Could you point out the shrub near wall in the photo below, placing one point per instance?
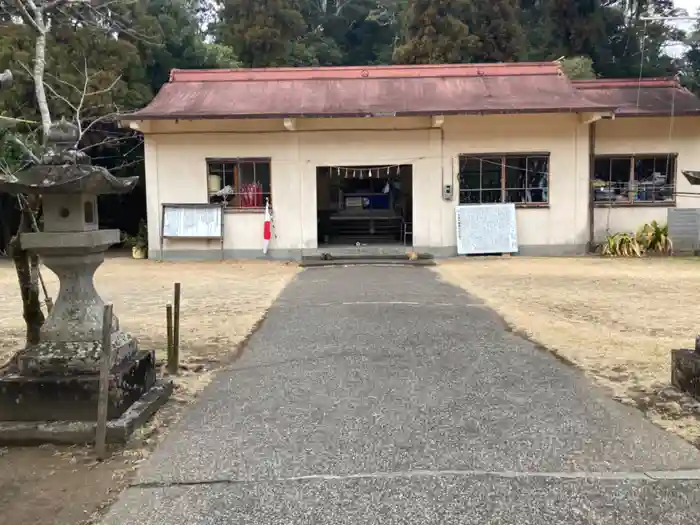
(650, 239)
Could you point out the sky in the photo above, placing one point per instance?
(691, 6)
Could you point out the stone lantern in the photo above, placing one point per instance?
(58, 378)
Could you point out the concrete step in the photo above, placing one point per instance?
(364, 250)
(345, 261)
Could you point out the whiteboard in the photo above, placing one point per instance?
(194, 221)
(486, 229)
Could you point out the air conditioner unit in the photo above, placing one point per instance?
(684, 229)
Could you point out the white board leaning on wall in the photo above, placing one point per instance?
(484, 229)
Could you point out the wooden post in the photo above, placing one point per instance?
(103, 400)
(172, 364)
(176, 328)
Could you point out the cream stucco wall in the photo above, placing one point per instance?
(679, 135)
(176, 173)
(562, 226)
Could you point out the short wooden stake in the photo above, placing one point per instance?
(103, 400)
(172, 364)
(176, 327)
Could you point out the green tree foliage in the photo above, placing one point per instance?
(262, 33)
(634, 48)
(578, 68)
(571, 27)
(169, 34)
(496, 24)
(608, 32)
(436, 32)
(690, 74)
(78, 59)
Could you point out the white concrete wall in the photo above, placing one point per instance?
(660, 135)
(176, 172)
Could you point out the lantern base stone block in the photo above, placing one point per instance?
(73, 397)
(74, 357)
(685, 371)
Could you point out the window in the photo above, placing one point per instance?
(522, 179)
(240, 183)
(635, 179)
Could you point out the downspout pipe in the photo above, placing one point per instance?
(591, 190)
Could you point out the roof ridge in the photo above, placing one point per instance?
(360, 72)
(622, 83)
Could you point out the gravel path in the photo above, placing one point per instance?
(384, 396)
(616, 318)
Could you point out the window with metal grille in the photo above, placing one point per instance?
(242, 183)
(519, 178)
(635, 179)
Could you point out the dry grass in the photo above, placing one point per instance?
(617, 319)
(221, 304)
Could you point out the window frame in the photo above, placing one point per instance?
(462, 157)
(632, 158)
(237, 161)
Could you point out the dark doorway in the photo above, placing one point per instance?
(364, 204)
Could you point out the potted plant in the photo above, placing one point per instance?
(138, 242)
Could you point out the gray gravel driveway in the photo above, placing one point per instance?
(380, 395)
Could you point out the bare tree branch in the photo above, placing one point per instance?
(86, 81)
(28, 18)
(97, 120)
(52, 4)
(25, 149)
(17, 120)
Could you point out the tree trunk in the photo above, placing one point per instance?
(39, 88)
(7, 218)
(27, 267)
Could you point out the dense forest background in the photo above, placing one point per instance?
(123, 51)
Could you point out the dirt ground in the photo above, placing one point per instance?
(616, 319)
(221, 304)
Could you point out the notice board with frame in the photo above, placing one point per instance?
(193, 222)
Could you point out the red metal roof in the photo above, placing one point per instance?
(649, 97)
(367, 91)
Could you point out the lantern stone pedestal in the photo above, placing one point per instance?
(50, 391)
(71, 334)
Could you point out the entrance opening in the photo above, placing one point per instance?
(365, 204)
